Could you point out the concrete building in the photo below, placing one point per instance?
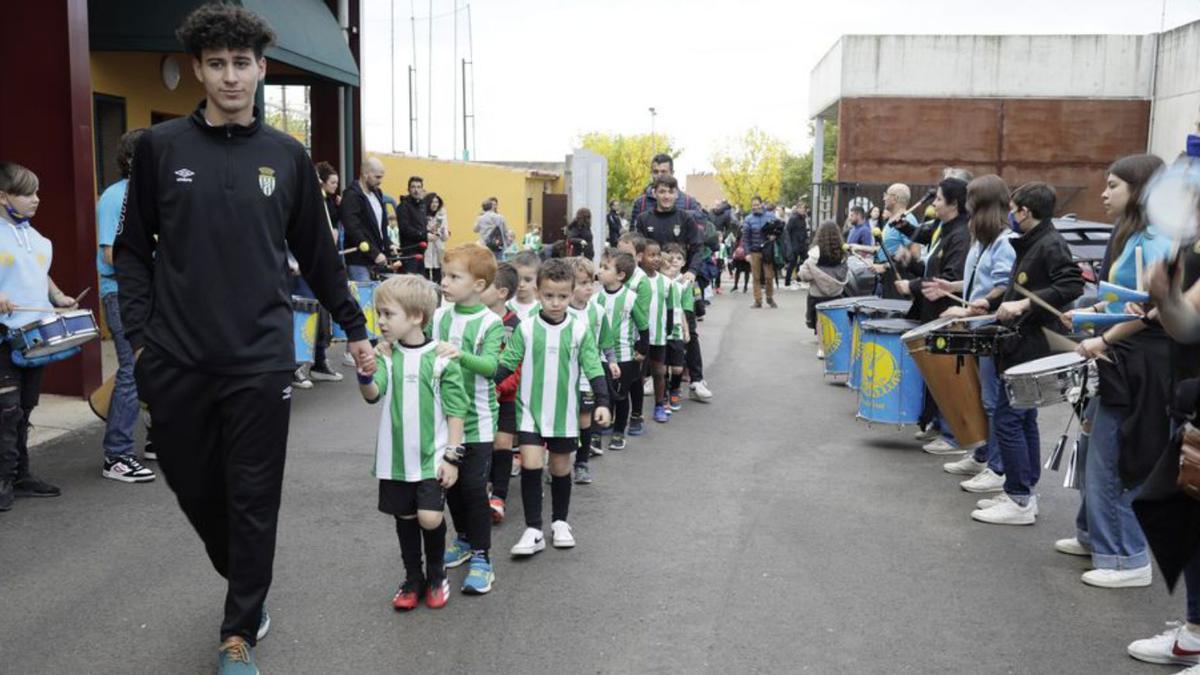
(704, 187)
(1058, 108)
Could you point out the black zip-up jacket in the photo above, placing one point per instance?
(947, 260)
(201, 255)
(358, 219)
(675, 226)
(614, 227)
(1044, 266)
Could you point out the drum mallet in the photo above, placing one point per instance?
(361, 248)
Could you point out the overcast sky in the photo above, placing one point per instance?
(550, 70)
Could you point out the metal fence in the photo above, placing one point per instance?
(832, 200)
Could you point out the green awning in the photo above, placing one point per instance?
(307, 32)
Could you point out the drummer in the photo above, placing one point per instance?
(989, 263)
(948, 241)
(1045, 267)
(25, 257)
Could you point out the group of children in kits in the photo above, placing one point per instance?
(516, 364)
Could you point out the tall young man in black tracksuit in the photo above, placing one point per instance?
(215, 201)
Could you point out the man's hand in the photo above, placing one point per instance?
(935, 289)
(447, 475)
(902, 287)
(601, 416)
(1136, 308)
(1012, 309)
(979, 307)
(614, 371)
(1091, 348)
(879, 269)
(447, 350)
(380, 259)
(956, 313)
(6, 304)
(1067, 319)
(364, 356)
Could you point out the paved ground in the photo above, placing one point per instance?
(766, 532)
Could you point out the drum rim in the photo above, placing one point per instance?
(57, 317)
(865, 327)
(1078, 363)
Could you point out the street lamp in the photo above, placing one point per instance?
(653, 139)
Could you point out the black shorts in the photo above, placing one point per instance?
(631, 376)
(587, 400)
(675, 352)
(401, 498)
(558, 446)
(658, 354)
(507, 421)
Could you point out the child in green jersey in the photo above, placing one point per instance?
(634, 244)
(586, 308)
(525, 304)
(419, 450)
(503, 287)
(677, 341)
(554, 351)
(627, 323)
(470, 334)
(661, 322)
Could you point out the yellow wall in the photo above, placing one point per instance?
(137, 77)
(463, 186)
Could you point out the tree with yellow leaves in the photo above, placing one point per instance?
(628, 160)
(751, 165)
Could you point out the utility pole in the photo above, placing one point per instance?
(653, 138)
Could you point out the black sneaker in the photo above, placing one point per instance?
(300, 380)
(6, 495)
(127, 470)
(597, 447)
(32, 486)
(148, 452)
(617, 442)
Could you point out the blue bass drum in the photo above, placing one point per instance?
(868, 310)
(892, 390)
(304, 327)
(364, 292)
(834, 333)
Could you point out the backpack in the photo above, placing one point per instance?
(495, 239)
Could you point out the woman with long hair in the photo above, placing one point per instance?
(579, 234)
(827, 275)
(439, 234)
(1126, 420)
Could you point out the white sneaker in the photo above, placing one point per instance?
(989, 502)
(925, 434)
(348, 360)
(820, 354)
(532, 541)
(1008, 512)
(648, 387)
(701, 392)
(940, 446)
(1135, 578)
(967, 466)
(984, 481)
(325, 374)
(1071, 547)
(561, 532)
(1176, 645)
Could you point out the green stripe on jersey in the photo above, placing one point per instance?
(618, 309)
(418, 390)
(470, 332)
(660, 296)
(553, 359)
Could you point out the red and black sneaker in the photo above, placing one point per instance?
(497, 506)
(406, 597)
(438, 594)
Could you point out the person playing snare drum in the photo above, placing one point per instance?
(25, 281)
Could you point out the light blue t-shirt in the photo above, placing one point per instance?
(893, 238)
(25, 257)
(991, 267)
(1123, 270)
(108, 217)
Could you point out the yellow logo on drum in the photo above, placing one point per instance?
(831, 339)
(940, 342)
(309, 332)
(1110, 297)
(369, 313)
(1022, 278)
(855, 341)
(881, 373)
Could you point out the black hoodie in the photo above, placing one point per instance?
(201, 252)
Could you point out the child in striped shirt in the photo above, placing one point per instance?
(419, 450)
(628, 325)
(470, 334)
(681, 297)
(586, 308)
(554, 350)
(525, 303)
(661, 322)
(503, 287)
(634, 244)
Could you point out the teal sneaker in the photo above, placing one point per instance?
(479, 576)
(237, 658)
(457, 553)
(264, 625)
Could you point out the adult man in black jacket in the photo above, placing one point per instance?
(614, 223)
(412, 220)
(363, 215)
(215, 201)
(665, 223)
(797, 240)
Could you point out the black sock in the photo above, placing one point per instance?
(560, 497)
(621, 415)
(676, 380)
(585, 447)
(502, 461)
(435, 552)
(531, 497)
(409, 533)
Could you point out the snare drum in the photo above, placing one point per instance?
(834, 331)
(969, 337)
(1045, 381)
(304, 327)
(866, 310)
(364, 292)
(953, 381)
(54, 333)
(892, 391)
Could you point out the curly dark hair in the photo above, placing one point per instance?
(324, 171)
(556, 269)
(129, 141)
(221, 26)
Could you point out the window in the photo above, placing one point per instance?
(528, 210)
(109, 126)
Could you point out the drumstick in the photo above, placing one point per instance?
(1137, 252)
(20, 308)
(81, 294)
(361, 248)
(1060, 343)
(1036, 300)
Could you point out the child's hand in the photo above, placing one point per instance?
(448, 351)
(601, 416)
(447, 475)
(615, 371)
(687, 336)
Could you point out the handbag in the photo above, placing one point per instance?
(1189, 463)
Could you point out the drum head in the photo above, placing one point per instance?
(926, 328)
(842, 303)
(888, 326)
(881, 307)
(1048, 363)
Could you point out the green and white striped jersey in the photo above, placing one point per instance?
(619, 310)
(552, 359)
(597, 322)
(635, 278)
(522, 310)
(419, 390)
(675, 306)
(478, 333)
(660, 304)
(687, 294)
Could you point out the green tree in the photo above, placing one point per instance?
(628, 160)
(797, 169)
(751, 165)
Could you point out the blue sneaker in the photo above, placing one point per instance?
(264, 625)
(237, 658)
(637, 427)
(660, 414)
(479, 576)
(457, 553)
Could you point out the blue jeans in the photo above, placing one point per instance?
(1113, 532)
(123, 410)
(1016, 433)
(989, 384)
(358, 272)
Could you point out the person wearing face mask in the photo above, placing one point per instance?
(1045, 267)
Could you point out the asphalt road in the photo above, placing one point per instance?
(766, 532)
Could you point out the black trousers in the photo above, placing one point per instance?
(468, 498)
(221, 443)
(15, 408)
(692, 357)
(623, 390)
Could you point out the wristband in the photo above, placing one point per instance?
(364, 380)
